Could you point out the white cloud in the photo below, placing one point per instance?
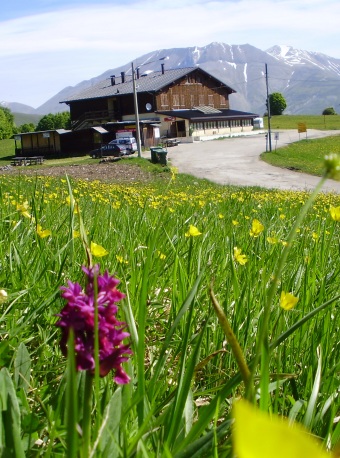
(87, 40)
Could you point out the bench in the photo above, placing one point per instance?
(171, 142)
(34, 160)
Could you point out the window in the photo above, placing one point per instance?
(182, 100)
(223, 100)
(175, 100)
(210, 100)
(164, 100)
(201, 99)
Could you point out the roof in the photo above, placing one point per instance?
(151, 82)
(59, 131)
(200, 114)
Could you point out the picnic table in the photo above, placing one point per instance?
(171, 142)
(33, 160)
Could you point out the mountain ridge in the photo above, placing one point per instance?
(308, 80)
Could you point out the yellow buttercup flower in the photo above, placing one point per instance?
(174, 172)
(121, 260)
(335, 213)
(98, 250)
(161, 255)
(235, 223)
(23, 209)
(116, 205)
(288, 300)
(272, 240)
(239, 257)
(155, 204)
(259, 435)
(76, 234)
(43, 232)
(256, 228)
(70, 201)
(192, 232)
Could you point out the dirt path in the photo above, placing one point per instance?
(236, 161)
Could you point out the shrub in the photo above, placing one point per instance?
(329, 111)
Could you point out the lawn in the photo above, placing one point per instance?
(226, 293)
(304, 156)
(311, 122)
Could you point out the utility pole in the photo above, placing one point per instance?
(268, 112)
(139, 143)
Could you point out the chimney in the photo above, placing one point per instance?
(137, 72)
(113, 80)
(162, 65)
(123, 76)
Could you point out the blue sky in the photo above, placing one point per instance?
(47, 45)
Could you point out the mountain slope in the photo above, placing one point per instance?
(309, 81)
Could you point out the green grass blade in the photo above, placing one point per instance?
(183, 390)
(311, 406)
(22, 368)
(71, 400)
(162, 354)
(11, 424)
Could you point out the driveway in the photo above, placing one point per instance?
(236, 161)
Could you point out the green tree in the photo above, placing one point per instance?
(62, 120)
(277, 103)
(6, 123)
(27, 127)
(54, 121)
(329, 111)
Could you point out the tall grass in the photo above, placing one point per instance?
(184, 376)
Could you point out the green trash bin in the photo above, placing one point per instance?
(161, 155)
(158, 155)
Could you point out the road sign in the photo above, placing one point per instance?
(302, 127)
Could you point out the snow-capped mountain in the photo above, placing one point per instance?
(309, 81)
(292, 57)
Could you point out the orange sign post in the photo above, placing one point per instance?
(302, 127)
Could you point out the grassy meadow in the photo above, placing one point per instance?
(331, 122)
(229, 293)
(305, 155)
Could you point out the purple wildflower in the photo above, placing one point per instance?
(79, 314)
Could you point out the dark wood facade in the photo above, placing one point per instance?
(192, 91)
(185, 102)
(194, 88)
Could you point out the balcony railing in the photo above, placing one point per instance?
(88, 118)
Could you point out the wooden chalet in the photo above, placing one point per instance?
(185, 103)
(188, 103)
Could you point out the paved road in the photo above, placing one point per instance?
(236, 161)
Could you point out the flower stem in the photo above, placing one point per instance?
(87, 414)
(232, 340)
